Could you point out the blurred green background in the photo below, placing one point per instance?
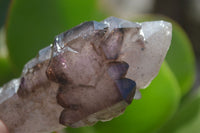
(170, 104)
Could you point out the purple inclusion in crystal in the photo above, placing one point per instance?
(126, 88)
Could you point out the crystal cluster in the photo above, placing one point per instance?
(91, 73)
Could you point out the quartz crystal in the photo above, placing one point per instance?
(91, 73)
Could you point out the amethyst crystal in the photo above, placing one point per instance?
(89, 74)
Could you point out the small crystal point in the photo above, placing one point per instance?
(126, 88)
(118, 69)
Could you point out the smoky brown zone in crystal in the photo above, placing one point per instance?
(33, 79)
(55, 71)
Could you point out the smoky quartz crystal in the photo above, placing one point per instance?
(90, 73)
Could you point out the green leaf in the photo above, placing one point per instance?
(180, 56)
(192, 113)
(6, 72)
(33, 24)
(3, 48)
(187, 118)
(3, 11)
(79, 11)
(158, 103)
(80, 130)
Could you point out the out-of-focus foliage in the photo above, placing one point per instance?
(187, 118)
(5, 70)
(33, 24)
(80, 130)
(77, 11)
(5, 64)
(181, 59)
(190, 113)
(3, 11)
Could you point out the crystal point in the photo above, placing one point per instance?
(126, 88)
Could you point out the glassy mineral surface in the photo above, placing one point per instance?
(91, 73)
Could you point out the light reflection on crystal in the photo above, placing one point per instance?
(9, 89)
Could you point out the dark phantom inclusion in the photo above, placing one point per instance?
(92, 80)
(126, 88)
